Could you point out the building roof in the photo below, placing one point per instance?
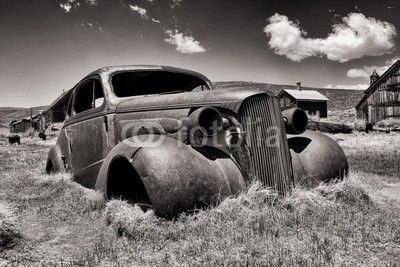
(15, 122)
(19, 121)
(383, 76)
(374, 86)
(374, 74)
(364, 98)
(310, 95)
(63, 98)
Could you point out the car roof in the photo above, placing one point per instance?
(112, 69)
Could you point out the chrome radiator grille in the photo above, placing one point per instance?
(265, 135)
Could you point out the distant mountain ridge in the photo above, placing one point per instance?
(339, 99)
(8, 114)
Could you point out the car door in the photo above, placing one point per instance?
(87, 131)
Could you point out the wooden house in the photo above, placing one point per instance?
(382, 99)
(312, 102)
(20, 126)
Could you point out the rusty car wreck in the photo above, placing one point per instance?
(164, 137)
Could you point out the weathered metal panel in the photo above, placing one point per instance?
(316, 158)
(176, 175)
(87, 142)
(214, 98)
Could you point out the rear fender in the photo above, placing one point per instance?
(176, 177)
(55, 161)
(316, 158)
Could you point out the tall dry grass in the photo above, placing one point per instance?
(4, 132)
(342, 224)
(57, 218)
(389, 123)
(373, 153)
(9, 234)
(330, 225)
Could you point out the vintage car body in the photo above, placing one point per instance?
(128, 134)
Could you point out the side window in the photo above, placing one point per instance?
(69, 108)
(200, 88)
(88, 95)
(98, 94)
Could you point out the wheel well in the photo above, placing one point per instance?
(125, 183)
(49, 166)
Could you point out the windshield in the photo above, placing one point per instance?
(127, 84)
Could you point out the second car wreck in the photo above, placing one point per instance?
(163, 137)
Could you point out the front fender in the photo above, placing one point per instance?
(176, 177)
(316, 158)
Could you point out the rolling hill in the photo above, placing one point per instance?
(8, 114)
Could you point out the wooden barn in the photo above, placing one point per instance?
(40, 121)
(20, 126)
(55, 112)
(312, 102)
(382, 98)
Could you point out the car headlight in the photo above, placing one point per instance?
(205, 121)
(234, 136)
(295, 120)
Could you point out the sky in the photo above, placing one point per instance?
(47, 46)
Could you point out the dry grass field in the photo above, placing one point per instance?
(48, 220)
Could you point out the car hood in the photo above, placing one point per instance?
(225, 98)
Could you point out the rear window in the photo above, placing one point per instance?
(127, 84)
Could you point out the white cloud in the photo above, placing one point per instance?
(176, 3)
(366, 71)
(91, 2)
(352, 87)
(66, 7)
(184, 44)
(92, 24)
(356, 37)
(140, 10)
(11, 94)
(69, 4)
(155, 20)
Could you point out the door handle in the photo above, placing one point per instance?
(68, 134)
